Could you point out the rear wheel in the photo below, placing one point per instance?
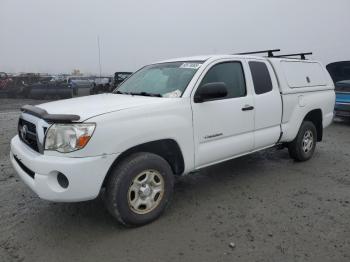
(303, 146)
(139, 189)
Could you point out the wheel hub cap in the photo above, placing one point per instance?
(308, 141)
(146, 191)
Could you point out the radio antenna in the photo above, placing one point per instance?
(99, 54)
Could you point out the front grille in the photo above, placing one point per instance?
(27, 133)
(25, 168)
(342, 88)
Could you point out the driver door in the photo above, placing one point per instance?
(224, 127)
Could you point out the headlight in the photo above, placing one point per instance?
(68, 137)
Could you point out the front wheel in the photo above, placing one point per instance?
(303, 146)
(139, 189)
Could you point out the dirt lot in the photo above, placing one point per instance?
(271, 208)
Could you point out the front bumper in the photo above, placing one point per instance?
(39, 172)
(342, 109)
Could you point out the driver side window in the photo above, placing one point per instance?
(230, 73)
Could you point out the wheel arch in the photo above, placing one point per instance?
(315, 116)
(168, 149)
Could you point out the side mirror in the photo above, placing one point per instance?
(210, 91)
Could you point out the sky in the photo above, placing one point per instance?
(59, 36)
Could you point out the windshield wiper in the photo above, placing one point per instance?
(138, 94)
(122, 93)
(145, 94)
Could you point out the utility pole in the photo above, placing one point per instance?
(99, 54)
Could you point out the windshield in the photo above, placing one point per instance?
(163, 80)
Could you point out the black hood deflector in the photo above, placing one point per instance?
(53, 118)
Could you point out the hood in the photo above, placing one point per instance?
(90, 106)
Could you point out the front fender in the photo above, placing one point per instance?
(119, 131)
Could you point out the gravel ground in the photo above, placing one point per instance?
(268, 207)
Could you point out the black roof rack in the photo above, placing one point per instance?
(269, 52)
(302, 55)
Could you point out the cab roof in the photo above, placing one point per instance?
(207, 57)
(268, 54)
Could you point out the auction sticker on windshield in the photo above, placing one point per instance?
(191, 65)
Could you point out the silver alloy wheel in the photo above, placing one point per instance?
(146, 191)
(308, 141)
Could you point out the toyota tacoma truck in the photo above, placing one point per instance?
(169, 119)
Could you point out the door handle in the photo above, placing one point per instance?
(247, 108)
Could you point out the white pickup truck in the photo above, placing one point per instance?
(169, 119)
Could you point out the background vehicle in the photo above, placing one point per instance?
(50, 90)
(119, 77)
(168, 119)
(340, 73)
(5, 83)
(102, 85)
(16, 85)
(81, 85)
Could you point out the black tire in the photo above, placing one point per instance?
(296, 148)
(121, 179)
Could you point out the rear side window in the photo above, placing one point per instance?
(230, 73)
(261, 77)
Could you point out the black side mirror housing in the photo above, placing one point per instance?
(210, 91)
